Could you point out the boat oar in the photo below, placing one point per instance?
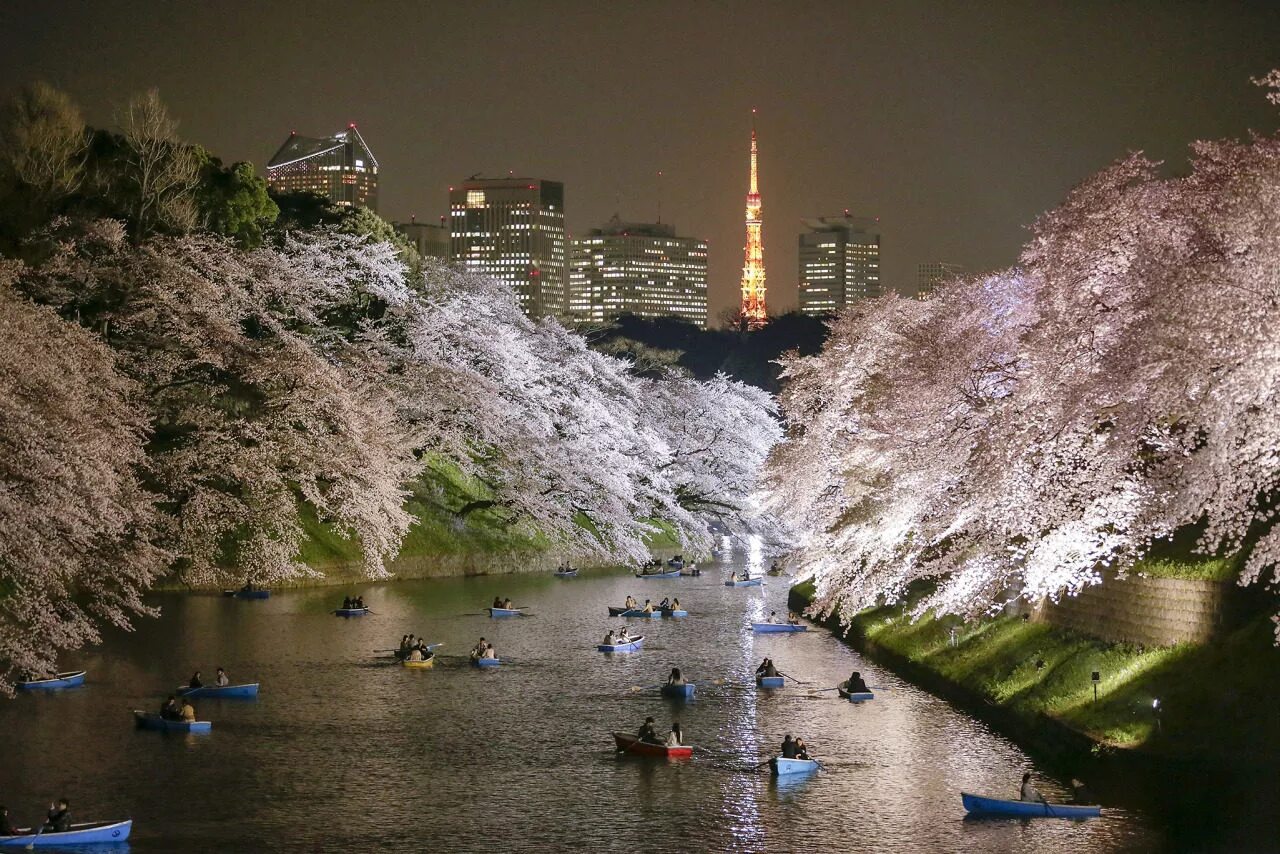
(32, 844)
(820, 690)
(793, 679)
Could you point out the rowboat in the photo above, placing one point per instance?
(855, 697)
(215, 691)
(148, 720)
(568, 573)
(505, 612)
(675, 573)
(418, 665)
(350, 612)
(82, 833)
(782, 767)
(766, 628)
(633, 612)
(683, 692)
(70, 679)
(628, 743)
(485, 662)
(674, 612)
(770, 681)
(750, 582)
(979, 805)
(248, 594)
(630, 646)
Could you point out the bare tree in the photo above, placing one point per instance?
(161, 170)
(43, 143)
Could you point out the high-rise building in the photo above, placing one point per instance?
(340, 167)
(431, 240)
(513, 229)
(931, 273)
(637, 268)
(753, 307)
(839, 262)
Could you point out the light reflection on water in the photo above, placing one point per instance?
(346, 750)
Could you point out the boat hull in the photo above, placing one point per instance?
(87, 833)
(781, 767)
(632, 646)
(216, 691)
(675, 612)
(145, 720)
(750, 582)
(675, 573)
(485, 662)
(628, 743)
(247, 594)
(633, 612)
(504, 612)
(573, 573)
(770, 681)
(776, 628)
(855, 697)
(419, 665)
(70, 679)
(978, 805)
(350, 612)
(679, 692)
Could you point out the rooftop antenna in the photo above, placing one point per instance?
(659, 197)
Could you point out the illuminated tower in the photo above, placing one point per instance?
(753, 310)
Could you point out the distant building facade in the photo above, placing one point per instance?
(643, 269)
(431, 240)
(931, 273)
(839, 262)
(340, 167)
(513, 229)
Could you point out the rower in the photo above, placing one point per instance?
(169, 710)
(793, 619)
(630, 603)
(675, 604)
(507, 604)
(359, 603)
(222, 679)
(195, 681)
(773, 617)
(624, 635)
(665, 605)
(647, 733)
(766, 668)
(648, 606)
(479, 651)
(802, 749)
(789, 749)
(856, 685)
(675, 738)
(608, 638)
(6, 829)
(1029, 792)
(59, 820)
(415, 654)
(188, 713)
(497, 602)
(676, 677)
(488, 651)
(346, 602)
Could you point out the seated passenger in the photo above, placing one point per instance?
(802, 749)
(793, 618)
(675, 738)
(766, 668)
(169, 709)
(789, 749)
(608, 638)
(676, 677)
(507, 604)
(415, 654)
(773, 617)
(648, 606)
(188, 711)
(6, 828)
(359, 603)
(480, 648)
(59, 820)
(648, 734)
(630, 603)
(222, 679)
(195, 681)
(1029, 792)
(489, 652)
(675, 604)
(497, 601)
(664, 605)
(855, 685)
(346, 602)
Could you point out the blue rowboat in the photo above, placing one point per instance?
(485, 662)
(631, 646)
(766, 628)
(855, 697)
(248, 594)
(675, 573)
(215, 691)
(351, 612)
(570, 573)
(782, 767)
(505, 612)
(770, 681)
(978, 805)
(750, 582)
(674, 612)
(83, 833)
(70, 679)
(683, 692)
(147, 720)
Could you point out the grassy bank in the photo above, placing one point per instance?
(1213, 698)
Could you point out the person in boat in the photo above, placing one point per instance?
(170, 710)
(676, 677)
(222, 680)
(608, 638)
(766, 668)
(59, 819)
(195, 681)
(675, 738)
(404, 643)
(415, 654)
(359, 602)
(1029, 792)
(624, 635)
(630, 603)
(665, 604)
(188, 712)
(648, 606)
(497, 601)
(6, 828)
(346, 602)
(856, 685)
(647, 733)
(733, 576)
(773, 617)
(508, 604)
(793, 619)
(489, 652)
(789, 749)
(802, 749)
(478, 652)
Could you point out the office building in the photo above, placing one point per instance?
(513, 229)
(430, 239)
(839, 262)
(340, 167)
(932, 273)
(643, 269)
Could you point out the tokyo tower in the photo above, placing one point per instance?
(753, 310)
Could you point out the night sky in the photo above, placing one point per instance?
(955, 127)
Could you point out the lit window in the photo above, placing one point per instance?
(475, 198)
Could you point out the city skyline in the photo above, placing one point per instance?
(956, 129)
